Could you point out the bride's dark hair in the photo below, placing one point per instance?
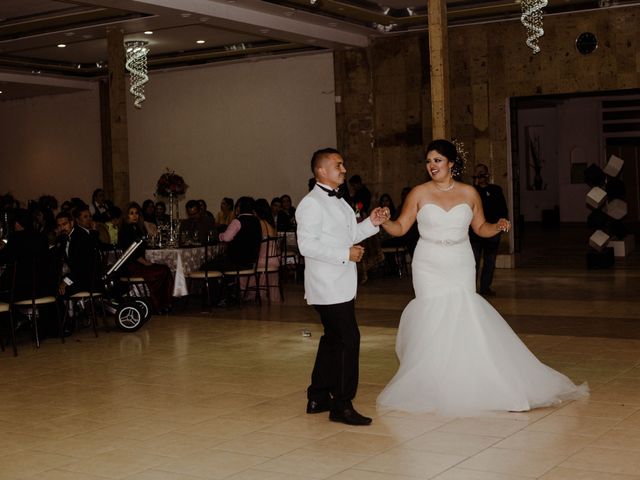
(449, 150)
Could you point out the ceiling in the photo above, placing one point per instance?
(32, 62)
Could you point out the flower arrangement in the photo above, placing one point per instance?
(170, 184)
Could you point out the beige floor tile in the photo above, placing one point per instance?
(619, 439)
(27, 463)
(405, 461)
(263, 444)
(308, 426)
(213, 464)
(254, 474)
(221, 428)
(355, 474)
(563, 473)
(358, 443)
(561, 444)
(590, 426)
(402, 427)
(493, 427)
(61, 474)
(513, 462)
(457, 473)
(81, 446)
(589, 408)
(139, 429)
(116, 463)
(11, 442)
(157, 474)
(311, 463)
(451, 443)
(605, 460)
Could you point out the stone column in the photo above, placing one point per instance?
(439, 60)
(115, 151)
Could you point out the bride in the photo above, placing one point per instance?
(457, 354)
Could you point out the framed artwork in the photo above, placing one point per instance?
(534, 142)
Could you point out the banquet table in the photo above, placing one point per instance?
(181, 262)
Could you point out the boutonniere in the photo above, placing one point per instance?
(359, 207)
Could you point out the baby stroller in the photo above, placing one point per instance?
(130, 312)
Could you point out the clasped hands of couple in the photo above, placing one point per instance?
(378, 216)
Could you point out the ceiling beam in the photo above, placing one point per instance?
(231, 16)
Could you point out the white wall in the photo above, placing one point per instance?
(51, 144)
(238, 129)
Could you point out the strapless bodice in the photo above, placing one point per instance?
(437, 225)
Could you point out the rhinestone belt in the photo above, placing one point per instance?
(447, 242)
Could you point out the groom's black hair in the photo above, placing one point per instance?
(319, 155)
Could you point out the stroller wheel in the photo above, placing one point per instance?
(129, 317)
(144, 309)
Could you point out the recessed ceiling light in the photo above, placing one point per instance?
(264, 30)
(290, 13)
(69, 34)
(204, 19)
(231, 1)
(199, 41)
(61, 45)
(185, 15)
(87, 36)
(148, 32)
(1, 92)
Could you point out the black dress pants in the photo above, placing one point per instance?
(487, 250)
(335, 373)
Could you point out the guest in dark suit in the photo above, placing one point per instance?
(328, 234)
(486, 249)
(157, 276)
(282, 220)
(198, 226)
(81, 255)
(100, 205)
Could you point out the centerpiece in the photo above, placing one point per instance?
(171, 185)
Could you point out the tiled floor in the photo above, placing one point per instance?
(222, 396)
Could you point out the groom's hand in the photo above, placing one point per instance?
(355, 253)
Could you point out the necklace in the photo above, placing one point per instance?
(446, 189)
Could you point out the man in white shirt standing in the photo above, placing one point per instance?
(327, 236)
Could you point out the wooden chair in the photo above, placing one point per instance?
(273, 247)
(397, 257)
(31, 306)
(206, 276)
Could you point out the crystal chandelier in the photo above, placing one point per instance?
(532, 19)
(136, 64)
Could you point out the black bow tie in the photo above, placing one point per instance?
(332, 193)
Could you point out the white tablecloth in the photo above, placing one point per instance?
(181, 261)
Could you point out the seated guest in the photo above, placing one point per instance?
(162, 217)
(100, 205)
(387, 201)
(113, 225)
(157, 277)
(289, 210)
(198, 225)
(281, 220)
(204, 209)
(24, 247)
(243, 237)
(268, 230)
(225, 215)
(81, 255)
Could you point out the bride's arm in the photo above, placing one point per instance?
(407, 217)
(479, 224)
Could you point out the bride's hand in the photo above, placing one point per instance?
(503, 225)
(379, 215)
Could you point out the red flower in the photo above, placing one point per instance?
(359, 206)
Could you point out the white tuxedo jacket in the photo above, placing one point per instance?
(327, 228)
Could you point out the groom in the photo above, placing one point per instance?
(327, 238)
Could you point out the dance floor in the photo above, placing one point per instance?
(222, 396)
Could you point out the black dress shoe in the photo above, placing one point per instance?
(316, 406)
(349, 416)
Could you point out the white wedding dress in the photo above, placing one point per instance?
(457, 355)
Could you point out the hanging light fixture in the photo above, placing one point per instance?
(136, 64)
(532, 20)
